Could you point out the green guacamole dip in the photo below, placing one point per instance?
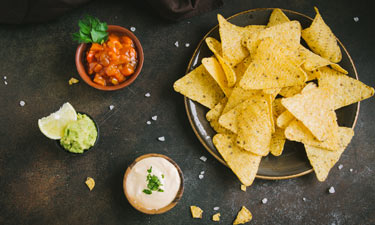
(79, 135)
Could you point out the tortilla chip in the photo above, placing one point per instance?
(243, 187)
(322, 160)
(313, 75)
(284, 119)
(73, 81)
(254, 127)
(292, 90)
(214, 69)
(90, 182)
(199, 86)
(229, 120)
(216, 217)
(277, 17)
(215, 46)
(196, 212)
(321, 39)
(296, 131)
(270, 98)
(243, 163)
(213, 116)
(272, 91)
(243, 216)
(271, 69)
(277, 142)
(278, 108)
(238, 96)
(314, 109)
(345, 89)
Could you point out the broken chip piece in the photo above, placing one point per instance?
(216, 217)
(243, 216)
(90, 182)
(73, 81)
(196, 212)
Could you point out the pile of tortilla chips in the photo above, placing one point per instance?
(263, 87)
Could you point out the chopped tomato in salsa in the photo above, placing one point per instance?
(111, 62)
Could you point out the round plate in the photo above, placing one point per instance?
(293, 162)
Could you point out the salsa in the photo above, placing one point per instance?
(113, 61)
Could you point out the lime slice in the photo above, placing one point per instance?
(53, 125)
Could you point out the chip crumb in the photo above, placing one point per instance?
(111, 107)
(201, 176)
(154, 118)
(356, 19)
(331, 190)
(90, 182)
(304, 199)
(132, 29)
(187, 45)
(243, 187)
(216, 217)
(162, 138)
(243, 216)
(264, 200)
(176, 44)
(196, 212)
(148, 122)
(203, 158)
(147, 95)
(216, 208)
(73, 81)
(340, 166)
(351, 170)
(22, 103)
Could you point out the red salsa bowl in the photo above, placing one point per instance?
(112, 65)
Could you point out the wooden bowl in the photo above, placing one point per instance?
(170, 205)
(81, 68)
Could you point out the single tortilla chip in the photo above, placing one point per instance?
(215, 70)
(321, 39)
(284, 119)
(90, 182)
(277, 17)
(277, 142)
(243, 216)
(291, 91)
(296, 131)
(213, 116)
(322, 160)
(196, 212)
(345, 89)
(216, 217)
(199, 86)
(254, 127)
(314, 109)
(271, 69)
(215, 46)
(243, 163)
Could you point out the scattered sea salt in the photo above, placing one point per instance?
(111, 107)
(202, 172)
(356, 19)
(264, 200)
(5, 77)
(147, 95)
(148, 122)
(162, 138)
(6, 83)
(203, 158)
(351, 170)
(132, 29)
(304, 199)
(176, 44)
(340, 166)
(331, 190)
(216, 208)
(187, 45)
(154, 118)
(22, 103)
(200, 176)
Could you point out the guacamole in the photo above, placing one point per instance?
(79, 135)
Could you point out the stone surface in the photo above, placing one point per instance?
(42, 184)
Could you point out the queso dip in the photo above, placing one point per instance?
(153, 183)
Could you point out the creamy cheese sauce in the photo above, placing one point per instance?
(136, 183)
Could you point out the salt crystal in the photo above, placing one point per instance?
(22, 103)
(148, 122)
(356, 19)
(331, 190)
(202, 172)
(111, 107)
(351, 170)
(216, 208)
(176, 44)
(6, 83)
(187, 45)
(203, 158)
(147, 95)
(304, 199)
(162, 138)
(200, 176)
(188, 22)
(5, 77)
(154, 118)
(264, 200)
(340, 166)
(133, 29)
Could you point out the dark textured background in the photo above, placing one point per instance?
(41, 184)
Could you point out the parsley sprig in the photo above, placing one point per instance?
(91, 30)
(153, 183)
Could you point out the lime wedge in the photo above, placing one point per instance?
(53, 125)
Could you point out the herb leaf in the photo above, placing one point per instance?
(91, 31)
(147, 192)
(153, 184)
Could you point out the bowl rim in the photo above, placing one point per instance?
(81, 49)
(165, 208)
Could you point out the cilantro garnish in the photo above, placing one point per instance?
(153, 183)
(91, 30)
